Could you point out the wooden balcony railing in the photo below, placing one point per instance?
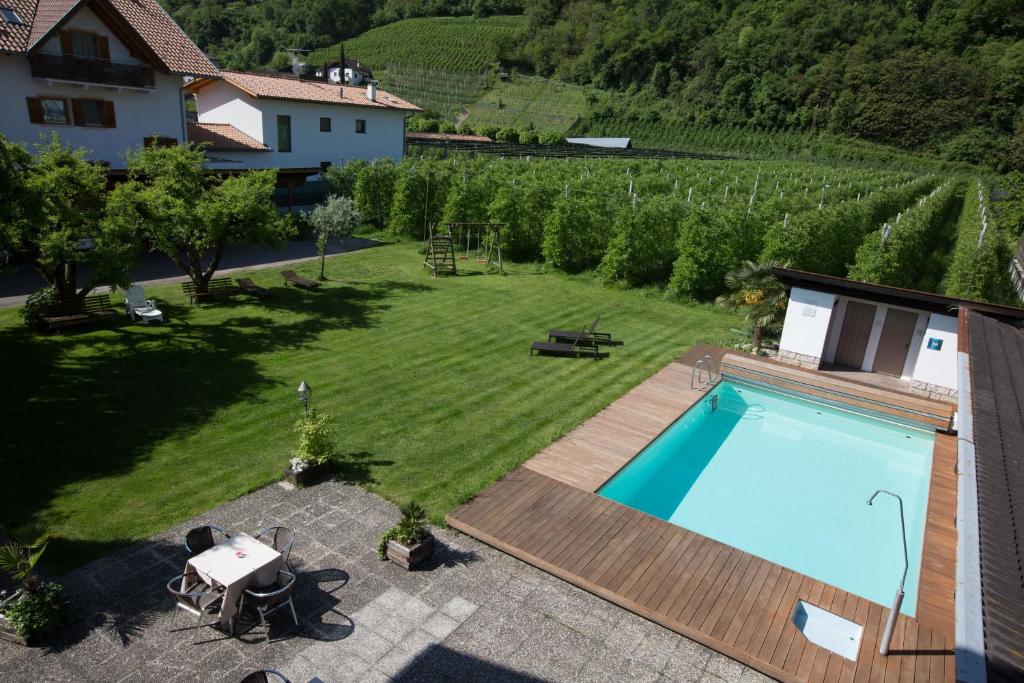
(84, 70)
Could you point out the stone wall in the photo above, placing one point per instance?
(798, 359)
(933, 391)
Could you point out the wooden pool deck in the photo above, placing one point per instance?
(546, 513)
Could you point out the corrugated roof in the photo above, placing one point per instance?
(145, 19)
(224, 137)
(616, 143)
(997, 387)
(285, 87)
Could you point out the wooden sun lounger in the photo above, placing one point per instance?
(588, 336)
(249, 287)
(572, 350)
(290, 277)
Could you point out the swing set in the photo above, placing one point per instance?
(441, 247)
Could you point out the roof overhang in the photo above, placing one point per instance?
(897, 296)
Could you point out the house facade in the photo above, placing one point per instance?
(356, 73)
(105, 75)
(840, 324)
(298, 126)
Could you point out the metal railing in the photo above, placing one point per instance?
(85, 70)
(703, 373)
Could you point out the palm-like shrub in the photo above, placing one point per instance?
(754, 289)
(18, 559)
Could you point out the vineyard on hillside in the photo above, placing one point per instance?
(453, 44)
(529, 101)
(682, 225)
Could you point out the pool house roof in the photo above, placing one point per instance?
(897, 296)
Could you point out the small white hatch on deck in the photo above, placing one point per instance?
(828, 630)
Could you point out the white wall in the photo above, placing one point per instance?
(384, 137)
(220, 102)
(139, 114)
(807, 322)
(938, 367)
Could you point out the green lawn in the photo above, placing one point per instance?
(114, 434)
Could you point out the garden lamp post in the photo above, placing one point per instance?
(304, 391)
(890, 624)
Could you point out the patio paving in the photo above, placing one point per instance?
(474, 614)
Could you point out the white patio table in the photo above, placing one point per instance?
(238, 563)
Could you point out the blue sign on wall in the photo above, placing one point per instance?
(934, 344)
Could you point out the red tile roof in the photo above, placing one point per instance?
(286, 87)
(145, 19)
(14, 37)
(223, 137)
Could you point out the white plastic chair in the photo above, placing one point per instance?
(136, 305)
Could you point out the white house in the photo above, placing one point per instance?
(832, 322)
(105, 75)
(356, 73)
(261, 120)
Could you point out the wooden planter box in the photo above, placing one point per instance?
(412, 556)
(309, 476)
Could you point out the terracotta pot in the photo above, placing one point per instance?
(410, 557)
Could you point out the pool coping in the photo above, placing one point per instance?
(569, 472)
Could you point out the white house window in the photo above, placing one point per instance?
(55, 111)
(9, 16)
(93, 113)
(360, 125)
(49, 110)
(84, 45)
(284, 133)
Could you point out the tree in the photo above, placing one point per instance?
(15, 209)
(336, 217)
(190, 215)
(754, 288)
(54, 214)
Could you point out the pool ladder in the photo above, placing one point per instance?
(703, 374)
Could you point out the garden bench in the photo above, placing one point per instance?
(215, 288)
(90, 310)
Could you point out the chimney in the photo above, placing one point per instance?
(371, 91)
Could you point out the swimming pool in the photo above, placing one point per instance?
(788, 479)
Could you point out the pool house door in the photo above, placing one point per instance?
(894, 344)
(853, 337)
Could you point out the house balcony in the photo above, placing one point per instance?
(85, 70)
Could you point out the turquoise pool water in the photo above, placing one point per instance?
(788, 479)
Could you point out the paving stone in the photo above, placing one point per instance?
(459, 609)
(440, 625)
(418, 642)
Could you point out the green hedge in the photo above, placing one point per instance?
(980, 272)
(644, 246)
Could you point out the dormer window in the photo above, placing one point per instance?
(9, 16)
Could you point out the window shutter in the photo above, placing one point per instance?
(103, 48)
(78, 111)
(108, 115)
(67, 47)
(35, 109)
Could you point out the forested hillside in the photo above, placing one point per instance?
(944, 77)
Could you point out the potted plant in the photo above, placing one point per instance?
(38, 608)
(314, 452)
(408, 543)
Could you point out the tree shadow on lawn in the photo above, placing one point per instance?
(93, 406)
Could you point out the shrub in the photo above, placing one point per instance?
(465, 129)
(410, 530)
(521, 208)
(507, 134)
(710, 244)
(446, 127)
(550, 137)
(420, 194)
(316, 439)
(645, 246)
(341, 180)
(576, 232)
(374, 190)
(528, 137)
(36, 306)
(38, 614)
(979, 272)
(422, 124)
(488, 131)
